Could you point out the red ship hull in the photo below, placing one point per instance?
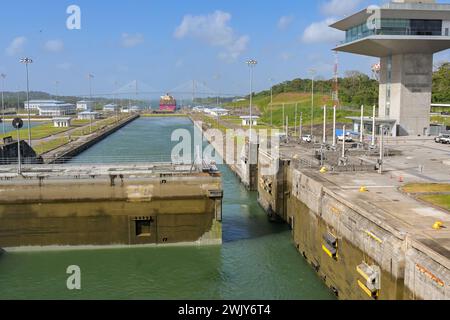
(168, 108)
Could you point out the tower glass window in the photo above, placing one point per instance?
(401, 27)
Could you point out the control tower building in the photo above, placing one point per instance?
(404, 34)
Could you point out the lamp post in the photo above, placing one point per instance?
(3, 76)
(271, 102)
(57, 89)
(251, 63)
(90, 76)
(334, 126)
(313, 74)
(361, 126)
(26, 62)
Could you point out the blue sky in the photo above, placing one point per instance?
(166, 43)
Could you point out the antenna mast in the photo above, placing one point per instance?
(335, 94)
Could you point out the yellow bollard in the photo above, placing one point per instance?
(438, 225)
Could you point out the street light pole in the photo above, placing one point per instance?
(28, 61)
(313, 73)
(90, 76)
(57, 89)
(373, 126)
(3, 101)
(380, 167)
(361, 129)
(334, 126)
(251, 63)
(324, 140)
(271, 102)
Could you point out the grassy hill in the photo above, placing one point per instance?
(293, 101)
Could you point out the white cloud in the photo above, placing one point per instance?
(284, 22)
(320, 32)
(339, 7)
(16, 46)
(54, 46)
(214, 30)
(131, 40)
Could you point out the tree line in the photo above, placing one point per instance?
(357, 88)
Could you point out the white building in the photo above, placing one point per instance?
(88, 115)
(85, 105)
(111, 107)
(219, 112)
(136, 109)
(51, 108)
(62, 122)
(246, 120)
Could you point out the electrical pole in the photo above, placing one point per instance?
(380, 166)
(373, 127)
(28, 61)
(90, 76)
(324, 124)
(361, 129)
(343, 142)
(300, 134)
(251, 64)
(3, 76)
(313, 73)
(334, 126)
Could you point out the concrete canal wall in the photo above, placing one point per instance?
(359, 250)
(238, 159)
(136, 205)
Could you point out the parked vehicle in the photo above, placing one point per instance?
(445, 139)
(307, 138)
(348, 138)
(438, 139)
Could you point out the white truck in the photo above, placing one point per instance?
(307, 138)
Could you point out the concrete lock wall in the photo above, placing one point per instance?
(427, 276)
(314, 212)
(271, 187)
(402, 268)
(95, 213)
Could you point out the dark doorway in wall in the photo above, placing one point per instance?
(143, 227)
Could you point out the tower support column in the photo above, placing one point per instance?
(405, 92)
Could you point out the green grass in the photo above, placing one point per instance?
(300, 102)
(47, 146)
(98, 125)
(38, 132)
(79, 123)
(442, 201)
(426, 188)
(440, 119)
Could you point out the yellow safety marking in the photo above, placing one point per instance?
(373, 236)
(335, 210)
(366, 290)
(328, 252)
(362, 273)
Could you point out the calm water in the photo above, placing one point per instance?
(256, 261)
(9, 127)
